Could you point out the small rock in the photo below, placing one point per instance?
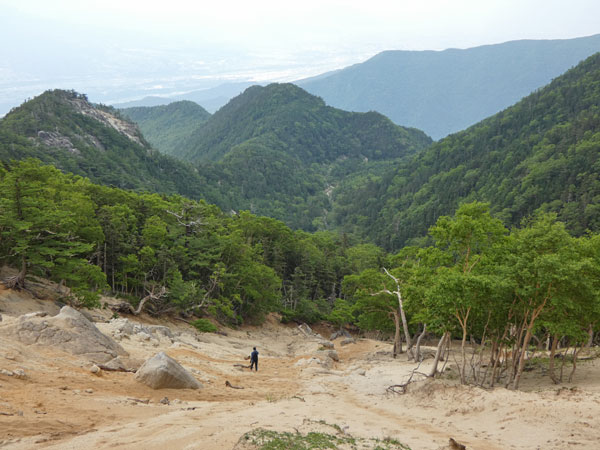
(326, 344)
(326, 363)
(95, 369)
(338, 334)
(20, 374)
(144, 336)
(76, 391)
(8, 373)
(10, 356)
(333, 355)
(165, 401)
(361, 372)
(348, 341)
(160, 331)
(89, 391)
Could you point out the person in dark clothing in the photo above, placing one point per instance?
(254, 360)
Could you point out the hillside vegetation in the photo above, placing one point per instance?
(63, 129)
(442, 92)
(279, 151)
(166, 127)
(276, 151)
(540, 154)
(302, 125)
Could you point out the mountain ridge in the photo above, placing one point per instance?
(442, 92)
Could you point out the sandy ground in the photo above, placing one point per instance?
(62, 405)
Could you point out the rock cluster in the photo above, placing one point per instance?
(153, 334)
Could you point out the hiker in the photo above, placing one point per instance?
(254, 360)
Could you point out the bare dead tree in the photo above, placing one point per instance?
(398, 295)
(190, 225)
(154, 294)
(17, 281)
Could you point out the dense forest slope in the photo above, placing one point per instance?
(302, 125)
(279, 151)
(166, 127)
(62, 128)
(540, 154)
(446, 91)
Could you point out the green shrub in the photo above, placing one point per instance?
(204, 326)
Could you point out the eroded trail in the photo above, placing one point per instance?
(60, 404)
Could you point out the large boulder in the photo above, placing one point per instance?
(163, 372)
(69, 330)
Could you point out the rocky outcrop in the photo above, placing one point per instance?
(69, 330)
(57, 140)
(130, 130)
(124, 328)
(163, 372)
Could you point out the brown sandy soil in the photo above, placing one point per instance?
(62, 405)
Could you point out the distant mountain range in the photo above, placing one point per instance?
(439, 92)
(442, 92)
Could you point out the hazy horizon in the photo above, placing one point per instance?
(117, 51)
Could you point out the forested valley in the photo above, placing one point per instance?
(489, 237)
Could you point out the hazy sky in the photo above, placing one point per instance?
(177, 45)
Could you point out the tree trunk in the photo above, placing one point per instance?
(402, 314)
(397, 340)
(417, 353)
(523, 354)
(591, 336)
(575, 353)
(463, 355)
(551, 362)
(438, 353)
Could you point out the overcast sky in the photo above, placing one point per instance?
(106, 44)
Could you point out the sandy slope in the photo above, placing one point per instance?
(62, 405)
